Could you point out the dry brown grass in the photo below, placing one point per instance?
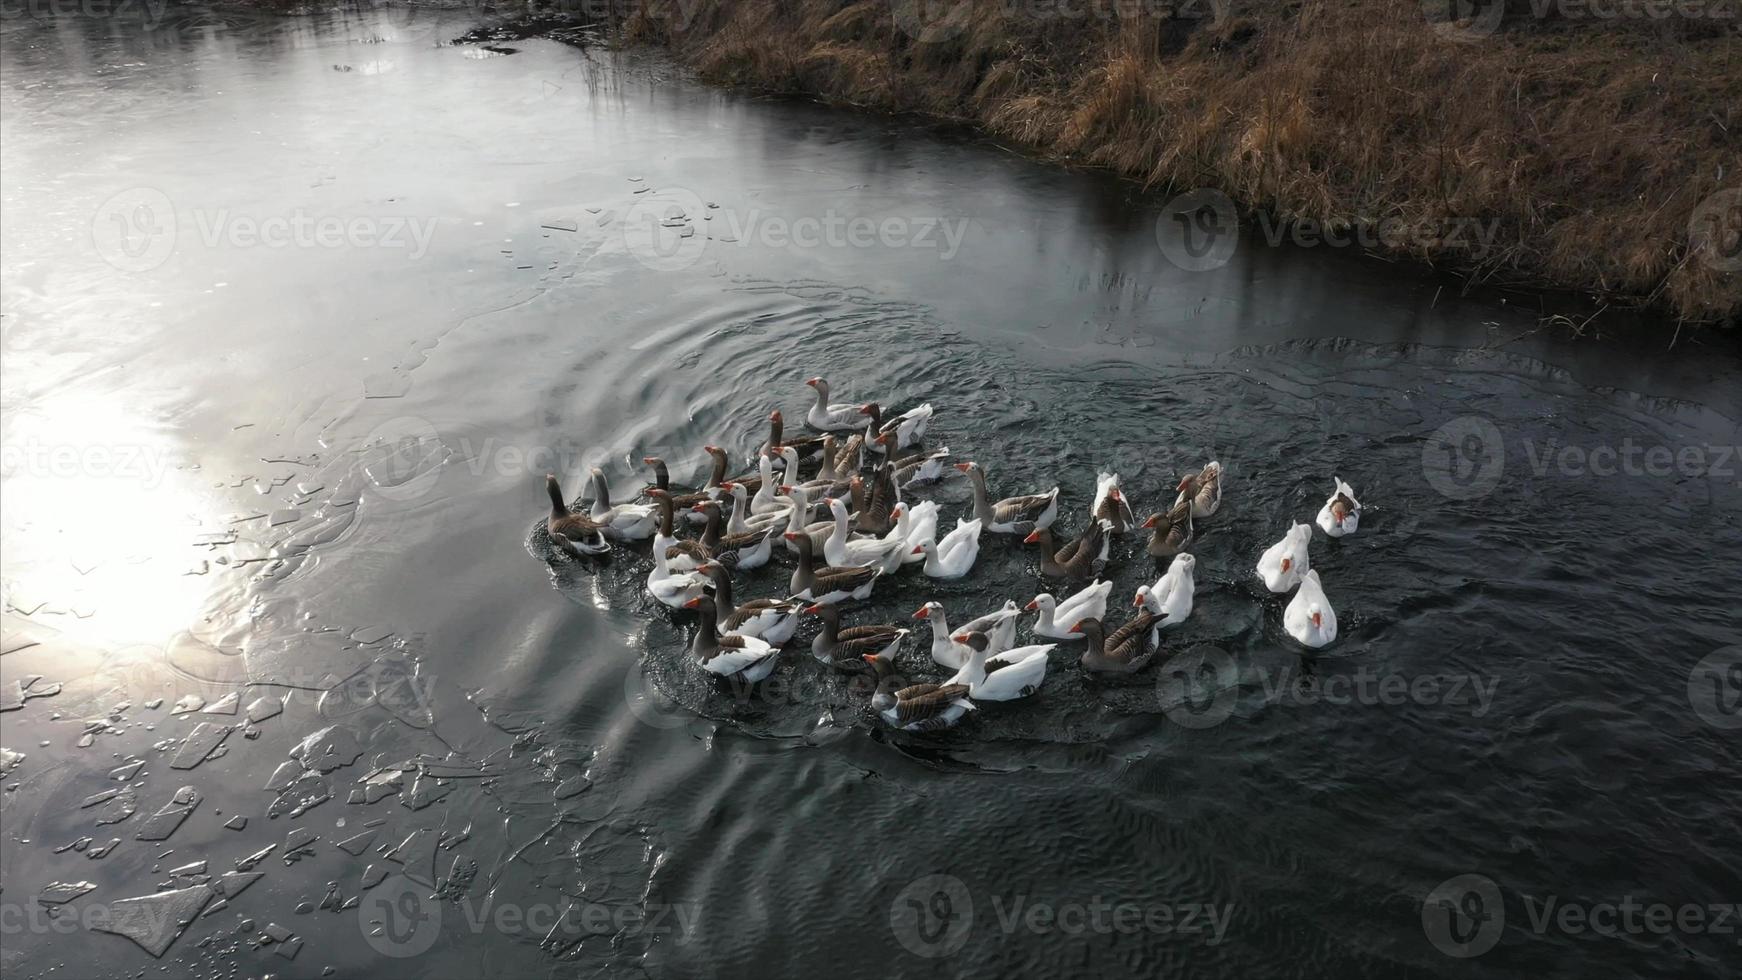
(1590, 144)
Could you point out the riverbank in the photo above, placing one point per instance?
(1597, 153)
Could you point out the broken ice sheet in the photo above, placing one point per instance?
(225, 705)
(61, 892)
(261, 709)
(330, 748)
(155, 921)
(199, 744)
(164, 822)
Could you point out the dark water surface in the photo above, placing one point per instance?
(299, 312)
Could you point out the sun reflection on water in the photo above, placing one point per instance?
(101, 513)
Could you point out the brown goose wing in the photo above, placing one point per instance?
(856, 647)
(1124, 644)
(694, 549)
(748, 539)
(750, 610)
(1084, 550)
(932, 700)
(830, 578)
(1013, 509)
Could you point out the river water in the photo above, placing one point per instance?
(298, 312)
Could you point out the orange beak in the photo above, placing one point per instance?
(918, 549)
(864, 409)
(711, 449)
(728, 485)
(960, 639)
(774, 416)
(924, 613)
(1318, 620)
(1150, 523)
(812, 381)
(1078, 628)
(1137, 601)
(648, 460)
(1116, 495)
(1033, 537)
(1033, 604)
(696, 507)
(790, 535)
(869, 658)
(785, 488)
(1287, 563)
(964, 467)
(693, 603)
(814, 608)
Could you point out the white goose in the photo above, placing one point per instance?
(955, 554)
(799, 518)
(667, 586)
(1283, 563)
(1309, 617)
(1057, 617)
(1007, 676)
(831, 416)
(624, 522)
(1342, 512)
(1171, 595)
(914, 525)
(765, 501)
(885, 553)
(999, 626)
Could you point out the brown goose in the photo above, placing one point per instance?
(916, 707)
(731, 654)
(575, 527)
(1121, 653)
(774, 620)
(904, 430)
(739, 552)
(1172, 532)
(877, 516)
(1111, 505)
(849, 457)
(750, 482)
(587, 546)
(1081, 557)
(1012, 515)
(662, 478)
(680, 556)
(1203, 489)
(919, 466)
(806, 444)
(827, 585)
(846, 649)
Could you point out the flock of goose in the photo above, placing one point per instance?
(854, 512)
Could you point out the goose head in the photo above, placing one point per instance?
(926, 610)
(1142, 597)
(821, 386)
(974, 640)
(1043, 601)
